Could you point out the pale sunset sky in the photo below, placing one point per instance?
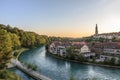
(65, 18)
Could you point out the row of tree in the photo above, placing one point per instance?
(14, 38)
(27, 39)
(91, 39)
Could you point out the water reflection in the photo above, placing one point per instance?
(21, 74)
(67, 65)
(62, 70)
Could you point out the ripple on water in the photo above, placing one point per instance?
(62, 70)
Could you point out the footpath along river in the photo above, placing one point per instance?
(62, 70)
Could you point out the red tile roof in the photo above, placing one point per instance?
(79, 43)
(111, 45)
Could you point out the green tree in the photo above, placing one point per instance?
(117, 39)
(112, 61)
(30, 40)
(13, 38)
(72, 77)
(101, 39)
(5, 48)
(70, 53)
(106, 61)
(118, 61)
(15, 41)
(7, 75)
(82, 58)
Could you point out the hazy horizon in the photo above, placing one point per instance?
(64, 18)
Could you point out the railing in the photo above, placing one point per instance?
(30, 72)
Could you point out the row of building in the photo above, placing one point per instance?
(100, 51)
(60, 48)
(107, 50)
(105, 35)
(108, 35)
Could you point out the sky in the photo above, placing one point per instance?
(64, 18)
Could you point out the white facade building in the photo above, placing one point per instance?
(108, 35)
(81, 48)
(84, 49)
(107, 57)
(111, 51)
(57, 49)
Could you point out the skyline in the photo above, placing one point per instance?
(64, 18)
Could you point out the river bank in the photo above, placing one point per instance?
(58, 69)
(28, 69)
(86, 63)
(16, 56)
(21, 51)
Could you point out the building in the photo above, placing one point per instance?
(96, 30)
(105, 35)
(111, 48)
(108, 57)
(82, 48)
(58, 48)
(107, 50)
(61, 50)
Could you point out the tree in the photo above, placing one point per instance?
(15, 41)
(106, 61)
(82, 58)
(117, 39)
(112, 61)
(70, 53)
(101, 39)
(7, 75)
(5, 48)
(72, 77)
(119, 61)
(13, 38)
(30, 40)
(40, 40)
(88, 39)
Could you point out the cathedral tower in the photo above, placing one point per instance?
(96, 30)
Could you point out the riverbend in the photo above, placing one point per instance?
(88, 63)
(58, 69)
(30, 72)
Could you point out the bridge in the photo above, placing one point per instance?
(30, 72)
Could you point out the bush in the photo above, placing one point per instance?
(7, 75)
(32, 66)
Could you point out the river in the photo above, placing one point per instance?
(62, 70)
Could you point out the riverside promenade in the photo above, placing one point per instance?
(30, 72)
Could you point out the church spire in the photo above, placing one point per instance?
(96, 30)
